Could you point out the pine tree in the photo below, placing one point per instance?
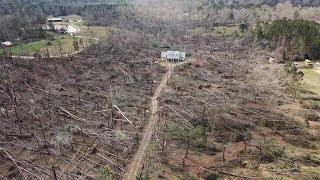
(75, 45)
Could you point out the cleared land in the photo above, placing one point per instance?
(227, 30)
(227, 114)
(57, 44)
(53, 41)
(311, 80)
(91, 31)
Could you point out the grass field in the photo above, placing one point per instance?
(91, 31)
(311, 80)
(60, 44)
(53, 40)
(227, 30)
(66, 45)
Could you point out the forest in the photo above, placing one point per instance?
(34, 15)
(248, 3)
(300, 38)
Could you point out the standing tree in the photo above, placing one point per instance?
(259, 31)
(81, 42)
(76, 44)
(296, 14)
(60, 48)
(231, 17)
(51, 26)
(190, 136)
(243, 26)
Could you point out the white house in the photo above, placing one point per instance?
(173, 56)
(55, 19)
(7, 48)
(7, 43)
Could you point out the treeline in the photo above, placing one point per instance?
(23, 19)
(18, 21)
(299, 39)
(306, 2)
(110, 15)
(66, 7)
(220, 4)
(74, 2)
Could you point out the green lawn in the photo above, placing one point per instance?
(58, 41)
(227, 30)
(311, 80)
(98, 32)
(66, 43)
(25, 48)
(30, 48)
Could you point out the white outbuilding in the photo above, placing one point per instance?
(7, 48)
(173, 56)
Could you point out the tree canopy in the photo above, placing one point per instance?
(301, 38)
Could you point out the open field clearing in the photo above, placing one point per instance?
(30, 48)
(311, 80)
(59, 45)
(91, 31)
(227, 30)
(55, 43)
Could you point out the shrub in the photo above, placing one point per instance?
(311, 160)
(312, 116)
(315, 105)
(212, 176)
(196, 136)
(301, 141)
(243, 26)
(105, 172)
(270, 152)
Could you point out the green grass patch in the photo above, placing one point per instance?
(60, 44)
(66, 43)
(39, 45)
(98, 32)
(228, 30)
(270, 151)
(181, 172)
(310, 160)
(311, 80)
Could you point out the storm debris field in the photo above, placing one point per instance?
(72, 117)
(225, 111)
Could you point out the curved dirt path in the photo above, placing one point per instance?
(138, 160)
(135, 166)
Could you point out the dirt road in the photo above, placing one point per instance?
(138, 160)
(134, 168)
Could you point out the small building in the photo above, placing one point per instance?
(271, 60)
(55, 19)
(173, 56)
(7, 49)
(307, 61)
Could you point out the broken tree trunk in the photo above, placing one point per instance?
(122, 113)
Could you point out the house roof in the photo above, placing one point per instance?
(55, 19)
(7, 43)
(173, 54)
